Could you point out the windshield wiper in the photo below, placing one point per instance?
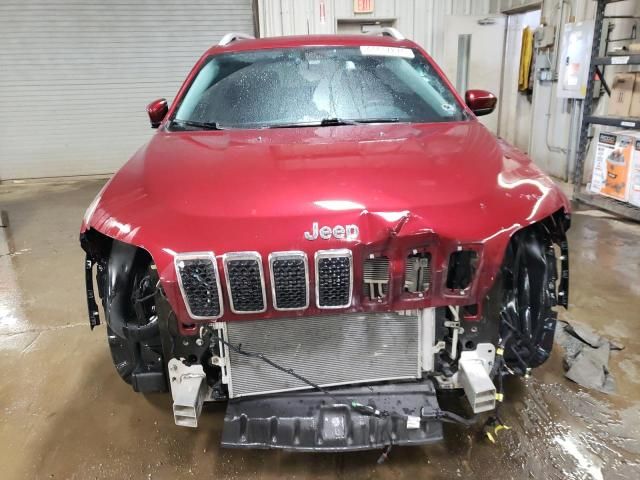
(325, 122)
(329, 122)
(202, 125)
(332, 122)
(377, 120)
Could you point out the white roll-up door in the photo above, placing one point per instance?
(76, 75)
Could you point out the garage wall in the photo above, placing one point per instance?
(551, 145)
(516, 108)
(76, 75)
(420, 20)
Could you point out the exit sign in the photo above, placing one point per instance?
(362, 6)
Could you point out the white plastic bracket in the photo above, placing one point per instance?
(188, 389)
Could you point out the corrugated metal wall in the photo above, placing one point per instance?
(420, 20)
(75, 75)
(510, 6)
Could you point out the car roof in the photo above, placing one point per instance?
(311, 41)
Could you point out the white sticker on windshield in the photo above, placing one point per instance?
(380, 51)
(447, 107)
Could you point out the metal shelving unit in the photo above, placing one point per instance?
(598, 63)
(631, 59)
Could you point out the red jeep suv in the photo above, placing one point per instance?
(323, 235)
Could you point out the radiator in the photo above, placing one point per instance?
(329, 350)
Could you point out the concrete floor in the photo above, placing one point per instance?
(66, 414)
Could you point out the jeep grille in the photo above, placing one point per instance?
(334, 278)
(245, 282)
(199, 282)
(289, 280)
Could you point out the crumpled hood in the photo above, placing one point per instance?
(260, 190)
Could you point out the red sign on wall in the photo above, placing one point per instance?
(362, 6)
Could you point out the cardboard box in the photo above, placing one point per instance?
(606, 146)
(634, 177)
(618, 165)
(613, 162)
(621, 93)
(634, 111)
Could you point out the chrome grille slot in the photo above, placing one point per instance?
(199, 284)
(289, 280)
(334, 278)
(375, 272)
(335, 349)
(245, 282)
(417, 272)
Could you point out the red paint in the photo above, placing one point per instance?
(480, 102)
(427, 186)
(157, 110)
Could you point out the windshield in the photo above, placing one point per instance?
(316, 86)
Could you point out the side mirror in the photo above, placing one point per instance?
(480, 102)
(157, 110)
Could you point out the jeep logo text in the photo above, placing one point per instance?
(348, 232)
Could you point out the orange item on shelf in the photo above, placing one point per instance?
(618, 163)
(613, 164)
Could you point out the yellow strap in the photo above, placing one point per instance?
(499, 351)
(490, 437)
(501, 427)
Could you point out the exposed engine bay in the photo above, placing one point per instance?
(335, 380)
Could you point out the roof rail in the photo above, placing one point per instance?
(232, 37)
(392, 32)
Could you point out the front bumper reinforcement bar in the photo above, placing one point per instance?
(313, 421)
